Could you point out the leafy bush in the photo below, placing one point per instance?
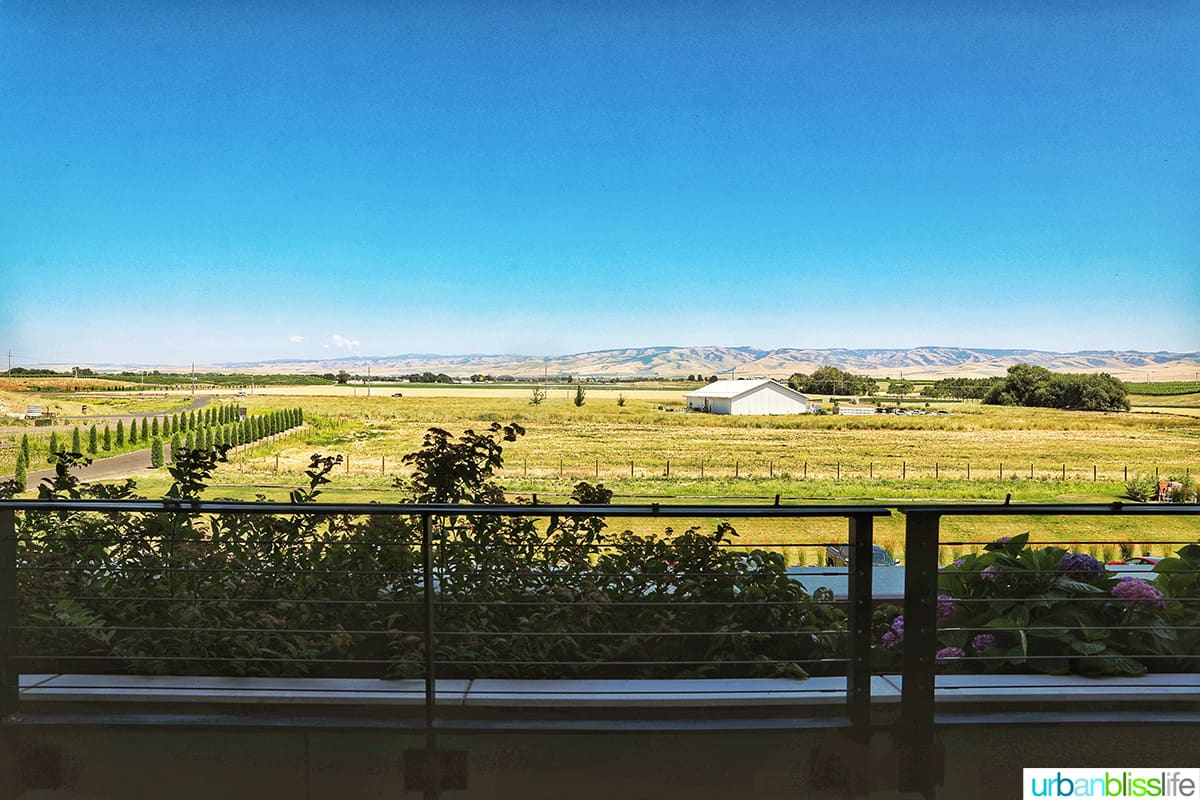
(1013, 608)
(312, 594)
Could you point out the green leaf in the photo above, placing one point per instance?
(1088, 648)
(1072, 585)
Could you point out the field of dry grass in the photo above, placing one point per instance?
(601, 439)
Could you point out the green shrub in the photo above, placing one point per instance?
(1141, 488)
(338, 595)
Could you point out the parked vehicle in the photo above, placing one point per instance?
(1144, 560)
(838, 555)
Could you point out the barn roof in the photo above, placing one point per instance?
(733, 389)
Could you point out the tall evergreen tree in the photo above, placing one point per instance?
(146, 428)
(176, 444)
(133, 432)
(154, 427)
(54, 446)
(76, 441)
(156, 452)
(25, 447)
(107, 438)
(120, 434)
(21, 471)
(93, 443)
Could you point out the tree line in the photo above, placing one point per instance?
(196, 429)
(1027, 385)
(831, 380)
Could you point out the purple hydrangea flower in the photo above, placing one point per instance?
(982, 642)
(947, 654)
(1139, 593)
(958, 562)
(991, 573)
(1080, 566)
(895, 635)
(1003, 540)
(945, 606)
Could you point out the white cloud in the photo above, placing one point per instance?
(344, 342)
(295, 339)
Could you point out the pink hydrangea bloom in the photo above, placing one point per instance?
(947, 654)
(1139, 593)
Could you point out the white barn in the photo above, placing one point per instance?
(748, 397)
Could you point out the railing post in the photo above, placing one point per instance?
(920, 765)
(9, 677)
(858, 671)
(432, 767)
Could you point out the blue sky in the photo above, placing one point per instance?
(239, 181)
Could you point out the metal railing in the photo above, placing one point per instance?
(430, 598)
(916, 728)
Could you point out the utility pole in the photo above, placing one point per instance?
(10, 362)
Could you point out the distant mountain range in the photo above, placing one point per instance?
(749, 362)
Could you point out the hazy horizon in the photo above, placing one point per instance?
(228, 183)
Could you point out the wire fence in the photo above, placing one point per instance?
(576, 467)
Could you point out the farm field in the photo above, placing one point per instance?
(650, 450)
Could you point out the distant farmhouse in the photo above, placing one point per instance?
(749, 397)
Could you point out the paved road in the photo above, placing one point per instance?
(126, 465)
(69, 422)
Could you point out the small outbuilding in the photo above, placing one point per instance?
(763, 396)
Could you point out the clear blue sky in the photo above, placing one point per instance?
(216, 181)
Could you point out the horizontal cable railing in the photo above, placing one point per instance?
(1023, 603)
(422, 591)
(434, 591)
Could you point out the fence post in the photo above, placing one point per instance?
(631, 467)
(903, 470)
(858, 674)
(1127, 472)
(1030, 470)
(597, 468)
(919, 766)
(935, 470)
(839, 470)
(383, 465)
(1064, 473)
(968, 470)
(432, 772)
(1001, 472)
(737, 469)
(805, 469)
(702, 468)
(1093, 473)
(668, 468)
(560, 467)
(9, 679)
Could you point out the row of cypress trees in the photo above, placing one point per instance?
(223, 424)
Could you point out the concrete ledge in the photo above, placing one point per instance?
(1164, 687)
(583, 705)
